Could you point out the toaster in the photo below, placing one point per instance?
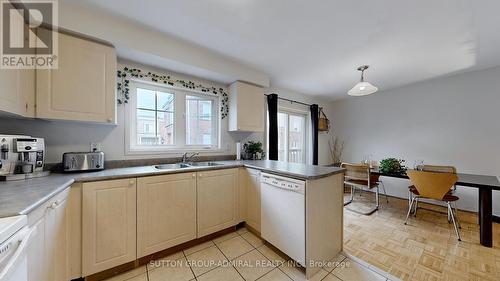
(83, 161)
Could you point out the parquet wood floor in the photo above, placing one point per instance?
(426, 248)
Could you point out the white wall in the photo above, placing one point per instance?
(451, 121)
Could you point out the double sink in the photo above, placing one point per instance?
(183, 165)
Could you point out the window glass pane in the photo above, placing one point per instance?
(282, 132)
(145, 126)
(154, 126)
(206, 110)
(145, 99)
(296, 137)
(165, 101)
(200, 127)
(165, 121)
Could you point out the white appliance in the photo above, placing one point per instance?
(283, 215)
(14, 240)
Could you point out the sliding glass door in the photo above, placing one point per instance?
(291, 136)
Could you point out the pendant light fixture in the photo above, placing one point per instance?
(362, 88)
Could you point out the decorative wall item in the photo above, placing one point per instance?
(323, 122)
(126, 73)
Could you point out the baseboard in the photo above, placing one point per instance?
(496, 219)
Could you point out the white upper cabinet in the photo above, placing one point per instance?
(83, 87)
(17, 91)
(246, 107)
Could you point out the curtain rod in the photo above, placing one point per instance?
(292, 101)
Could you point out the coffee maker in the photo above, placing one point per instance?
(21, 157)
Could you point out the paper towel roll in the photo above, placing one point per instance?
(238, 151)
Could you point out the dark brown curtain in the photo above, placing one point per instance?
(314, 126)
(272, 107)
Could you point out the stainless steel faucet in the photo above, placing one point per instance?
(186, 158)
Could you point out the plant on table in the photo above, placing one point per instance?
(392, 166)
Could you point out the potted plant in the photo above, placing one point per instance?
(392, 166)
(253, 150)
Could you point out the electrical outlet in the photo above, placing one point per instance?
(95, 146)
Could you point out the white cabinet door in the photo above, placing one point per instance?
(56, 240)
(253, 198)
(217, 197)
(48, 251)
(37, 266)
(246, 107)
(17, 91)
(166, 212)
(108, 224)
(17, 88)
(83, 87)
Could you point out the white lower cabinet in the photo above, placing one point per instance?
(252, 187)
(166, 212)
(217, 200)
(95, 226)
(48, 252)
(37, 266)
(108, 224)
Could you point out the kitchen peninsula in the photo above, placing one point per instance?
(118, 217)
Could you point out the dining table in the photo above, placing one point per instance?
(485, 185)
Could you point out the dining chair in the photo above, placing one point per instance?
(434, 185)
(358, 176)
(437, 169)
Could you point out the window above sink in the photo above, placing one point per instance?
(165, 119)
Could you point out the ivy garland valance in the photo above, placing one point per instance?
(126, 73)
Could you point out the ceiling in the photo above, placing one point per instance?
(315, 46)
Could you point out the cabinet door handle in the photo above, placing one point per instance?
(199, 175)
(194, 175)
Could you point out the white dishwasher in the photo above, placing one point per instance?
(14, 239)
(283, 214)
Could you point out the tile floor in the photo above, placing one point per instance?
(250, 259)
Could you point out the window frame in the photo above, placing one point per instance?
(179, 145)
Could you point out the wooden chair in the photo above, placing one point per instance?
(359, 176)
(433, 185)
(437, 169)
